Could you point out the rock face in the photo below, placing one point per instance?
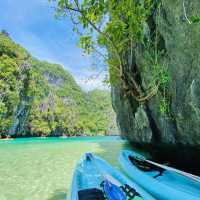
(180, 127)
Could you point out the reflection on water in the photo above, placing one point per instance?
(41, 169)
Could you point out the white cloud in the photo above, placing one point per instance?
(91, 82)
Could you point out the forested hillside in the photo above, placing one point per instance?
(42, 99)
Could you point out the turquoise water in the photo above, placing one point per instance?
(41, 169)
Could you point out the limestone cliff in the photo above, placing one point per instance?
(179, 128)
(38, 98)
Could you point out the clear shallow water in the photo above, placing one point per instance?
(41, 169)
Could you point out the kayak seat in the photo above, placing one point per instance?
(91, 194)
(145, 166)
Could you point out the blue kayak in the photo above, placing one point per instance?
(158, 180)
(95, 179)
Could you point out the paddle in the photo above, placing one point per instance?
(111, 189)
(196, 178)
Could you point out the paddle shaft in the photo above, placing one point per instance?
(196, 178)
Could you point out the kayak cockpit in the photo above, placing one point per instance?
(142, 165)
(91, 194)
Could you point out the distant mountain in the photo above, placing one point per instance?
(38, 98)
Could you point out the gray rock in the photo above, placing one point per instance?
(145, 124)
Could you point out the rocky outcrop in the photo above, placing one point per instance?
(179, 128)
(53, 80)
(20, 127)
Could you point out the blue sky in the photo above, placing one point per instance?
(32, 24)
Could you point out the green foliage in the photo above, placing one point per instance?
(11, 49)
(9, 84)
(109, 24)
(118, 27)
(86, 44)
(42, 99)
(164, 107)
(164, 78)
(195, 19)
(100, 116)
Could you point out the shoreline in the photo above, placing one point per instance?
(5, 139)
(61, 137)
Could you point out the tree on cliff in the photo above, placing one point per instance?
(117, 26)
(4, 32)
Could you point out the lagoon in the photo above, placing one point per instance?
(42, 168)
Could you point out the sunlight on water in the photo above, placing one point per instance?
(41, 169)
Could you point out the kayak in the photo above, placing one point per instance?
(95, 179)
(160, 181)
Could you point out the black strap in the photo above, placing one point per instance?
(130, 192)
(159, 174)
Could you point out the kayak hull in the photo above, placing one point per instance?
(168, 186)
(89, 175)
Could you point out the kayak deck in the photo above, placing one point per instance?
(179, 182)
(159, 180)
(86, 179)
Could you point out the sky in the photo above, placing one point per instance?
(31, 23)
